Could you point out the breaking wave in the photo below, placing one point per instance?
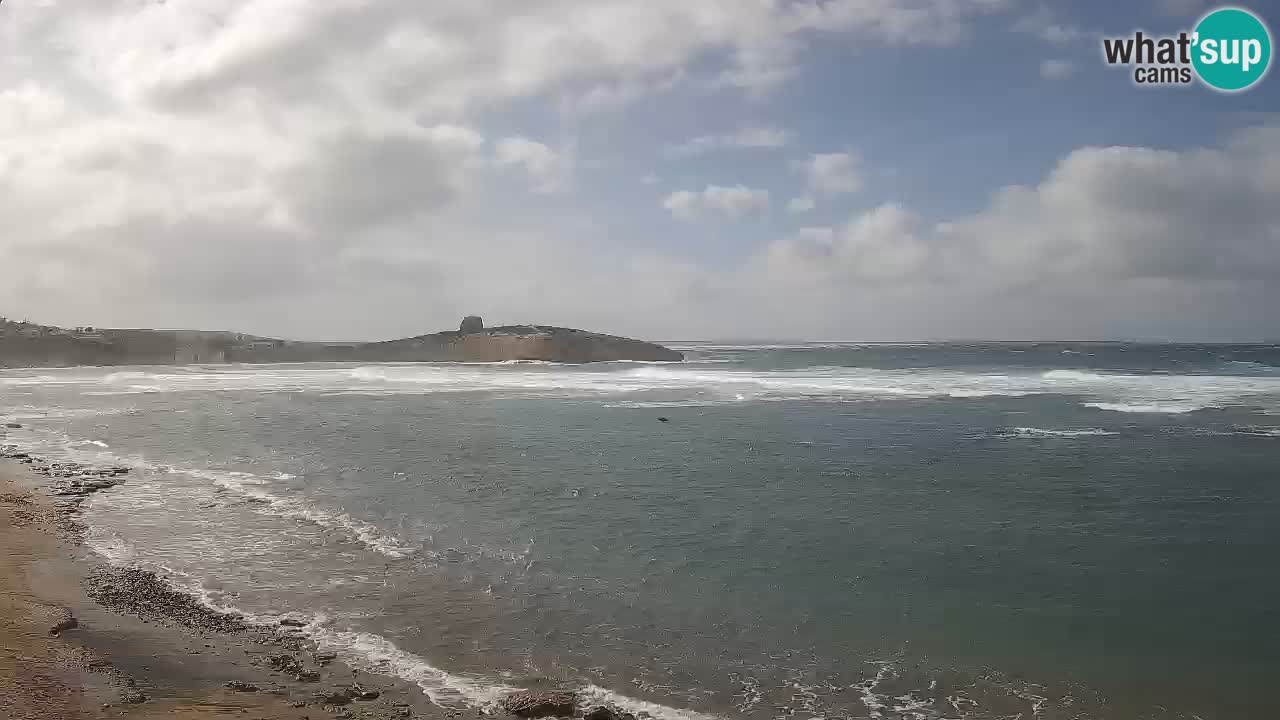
(1167, 408)
(631, 385)
(253, 487)
(378, 655)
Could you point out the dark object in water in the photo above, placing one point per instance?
(662, 419)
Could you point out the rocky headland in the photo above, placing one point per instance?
(30, 345)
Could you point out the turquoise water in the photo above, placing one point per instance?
(904, 531)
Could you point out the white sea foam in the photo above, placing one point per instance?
(875, 703)
(251, 486)
(1259, 432)
(1165, 408)
(376, 654)
(244, 484)
(113, 548)
(640, 405)
(594, 693)
(1252, 431)
(694, 383)
(1030, 432)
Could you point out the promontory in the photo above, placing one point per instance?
(24, 344)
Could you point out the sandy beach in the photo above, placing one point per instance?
(152, 653)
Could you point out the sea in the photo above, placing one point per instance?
(920, 531)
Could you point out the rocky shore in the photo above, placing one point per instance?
(140, 648)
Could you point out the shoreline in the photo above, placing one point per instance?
(85, 639)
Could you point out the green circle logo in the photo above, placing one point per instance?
(1232, 49)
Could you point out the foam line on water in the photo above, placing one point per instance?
(1031, 432)
(244, 484)
(1112, 391)
(250, 485)
(1158, 408)
(599, 695)
(364, 651)
(376, 654)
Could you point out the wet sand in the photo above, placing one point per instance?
(64, 655)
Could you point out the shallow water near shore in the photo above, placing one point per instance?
(832, 530)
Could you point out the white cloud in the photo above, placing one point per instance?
(881, 244)
(446, 56)
(616, 95)
(801, 204)
(1057, 69)
(833, 173)
(548, 169)
(749, 137)
(322, 170)
(733, 202)
(1116, 241)
(1042, 23)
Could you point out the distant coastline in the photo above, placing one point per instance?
(24, 344)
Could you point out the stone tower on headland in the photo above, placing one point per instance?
(471, 324)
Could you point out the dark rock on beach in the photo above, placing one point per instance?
(65, 621)
(334, 697)
(69, 479)
(605, 712)
(141, 593)
(240, 686)
(540, 704)
(285, 663)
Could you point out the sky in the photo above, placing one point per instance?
(667, 169)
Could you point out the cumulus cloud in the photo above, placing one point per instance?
(801, 204)
(548, 169)
(733, 202)
(1139, 241)
(749, 137)
(834, 173)
(441, 56)
(883, 244)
